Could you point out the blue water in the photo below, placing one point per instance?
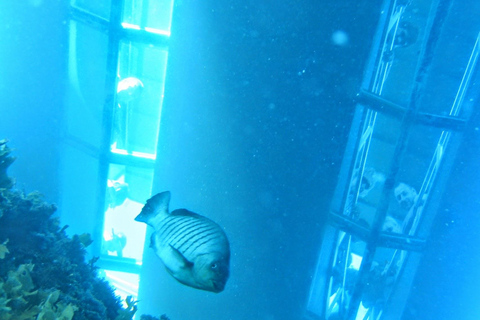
(257, 110)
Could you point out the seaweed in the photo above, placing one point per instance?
(43, 272)
(18, 300)
(149, 317)
(129, 311)
(5, 161)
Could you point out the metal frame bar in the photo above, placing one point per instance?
(434, 29)
(384, 106)
(109, 105)
(115, 27)
(116, 33)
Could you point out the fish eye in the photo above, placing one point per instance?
(213, 266)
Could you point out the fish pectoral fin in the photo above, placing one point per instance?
(178, 266)
(177, 261)
(152, 241)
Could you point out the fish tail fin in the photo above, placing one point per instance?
(156, 208)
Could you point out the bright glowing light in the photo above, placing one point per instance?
(332, 298)
(118, 279)
(356, 261)
(134, 153)
(362, 312)
(126, 25)
(158, 31)
(130, 26)
(144, 155)
(125, 284)
(340, 38)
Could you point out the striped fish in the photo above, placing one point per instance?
(193, 248)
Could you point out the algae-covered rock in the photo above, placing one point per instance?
(48, 259)
(3, 249)
(43, 272)
(18, 302)
(53, 310)
(5, 161)
(129, 311)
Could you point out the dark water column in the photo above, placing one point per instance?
(254, 122)
(32, 67)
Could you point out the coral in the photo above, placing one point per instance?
(148, 317)
(43, 272)
(18, 300)
(129, 312)
(3, 249)
(53, 310)
(5, 161)
(35, 238)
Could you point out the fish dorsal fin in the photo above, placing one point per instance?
(185, 213)
(155, 209)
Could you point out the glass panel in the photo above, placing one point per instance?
(96, 7)
(125, 284)
(379, 282)
(347, 259)
(150, 15)
(128, 188)
(416, 177)
(87, 59)
(418, 168)
(445, 91)
(398, 57)
(399, 54)
(414, 181)
(373, 160)
(139, 99)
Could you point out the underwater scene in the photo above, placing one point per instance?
(237, 160)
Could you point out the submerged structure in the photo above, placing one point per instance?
(386, 249)
(248, 127)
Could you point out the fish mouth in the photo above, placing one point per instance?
(218, 286)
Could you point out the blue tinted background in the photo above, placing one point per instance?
(257, 109)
